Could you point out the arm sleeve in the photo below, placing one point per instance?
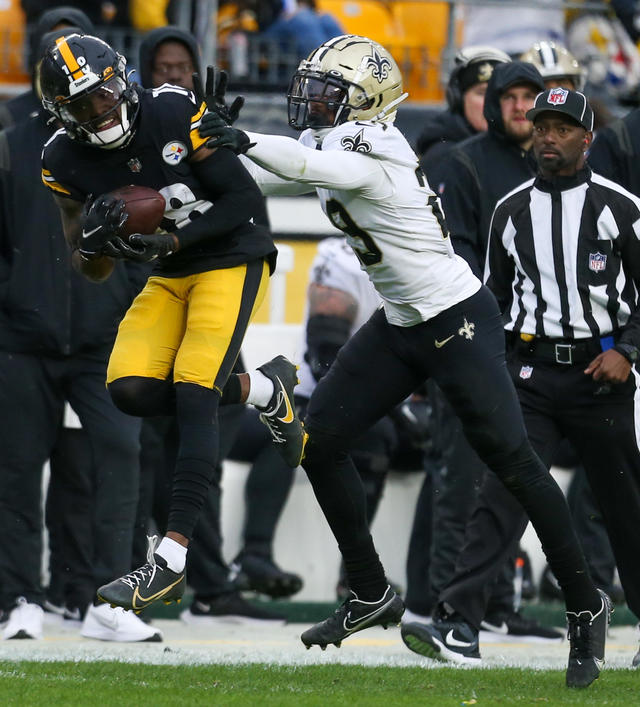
(270, 183)
(460, 200)
(235, 196)
(499, 269)
(330, 169)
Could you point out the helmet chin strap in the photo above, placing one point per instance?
(389, 108)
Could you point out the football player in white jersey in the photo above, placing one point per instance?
(436, 320)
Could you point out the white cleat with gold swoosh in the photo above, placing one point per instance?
(280, 415)
(152, 582)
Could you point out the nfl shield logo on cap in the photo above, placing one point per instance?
(557, 96)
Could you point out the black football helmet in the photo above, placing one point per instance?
(84, 84)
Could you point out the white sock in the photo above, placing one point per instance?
(260, 389)
(173, 553)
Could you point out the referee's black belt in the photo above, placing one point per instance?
(562, 351)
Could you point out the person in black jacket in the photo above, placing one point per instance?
(56, 333)
(463, 116)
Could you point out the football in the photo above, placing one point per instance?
(144, 207)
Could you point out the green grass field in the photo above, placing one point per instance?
(102, 684)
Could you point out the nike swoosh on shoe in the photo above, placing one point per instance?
(450, 640)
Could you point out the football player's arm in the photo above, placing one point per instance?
(96, 269)
(331, 316)
(326, 169)
(235, 196)
(271, 183)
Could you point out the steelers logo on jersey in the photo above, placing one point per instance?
(174, 152)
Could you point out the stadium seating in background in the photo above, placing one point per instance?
(13, 75)
(424, 28)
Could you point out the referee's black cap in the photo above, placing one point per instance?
(561, 100)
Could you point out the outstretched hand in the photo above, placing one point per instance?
(223, 135)
(214, 92)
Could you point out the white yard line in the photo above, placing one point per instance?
(225, 643)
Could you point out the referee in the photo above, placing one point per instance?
(564, 264)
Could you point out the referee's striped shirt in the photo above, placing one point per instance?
(564, 258)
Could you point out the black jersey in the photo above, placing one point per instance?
(157, 156)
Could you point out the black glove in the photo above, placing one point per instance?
(103, 218)
(142, 248)
(223, 135)
(214, 95)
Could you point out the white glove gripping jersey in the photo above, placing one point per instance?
(370, 186)
(336, 266)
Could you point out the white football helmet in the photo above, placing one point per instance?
(347, 78)
(554, 61)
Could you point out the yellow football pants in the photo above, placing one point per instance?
(192, 326)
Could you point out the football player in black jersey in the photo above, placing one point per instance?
(180, 338)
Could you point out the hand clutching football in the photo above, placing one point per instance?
(103, 218)
(143, 248)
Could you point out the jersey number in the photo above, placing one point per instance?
(434, 203)
(362, 243)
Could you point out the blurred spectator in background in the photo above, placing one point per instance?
(463, 116)
(301, 28)
(558, 67)
(100, 12)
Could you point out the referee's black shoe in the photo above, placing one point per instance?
(512, 625)
(587, 636)
(449, 638)
(355, 615)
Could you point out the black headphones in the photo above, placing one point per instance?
(465, 57)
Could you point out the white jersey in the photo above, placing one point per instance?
(370, 186)
(336, 266)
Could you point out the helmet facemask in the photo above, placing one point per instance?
(319, 100)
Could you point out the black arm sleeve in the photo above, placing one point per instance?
(235, 196)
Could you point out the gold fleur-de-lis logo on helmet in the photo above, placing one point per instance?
(380, 65)
(484, 71)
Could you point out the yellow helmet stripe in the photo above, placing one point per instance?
(69, 58)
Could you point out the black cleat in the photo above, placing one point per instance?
(280, 415)
(512, 624)
(229, 608)
(355, 615)
(152, 582)
(450, 641)
(587, 636)
(260, 573)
